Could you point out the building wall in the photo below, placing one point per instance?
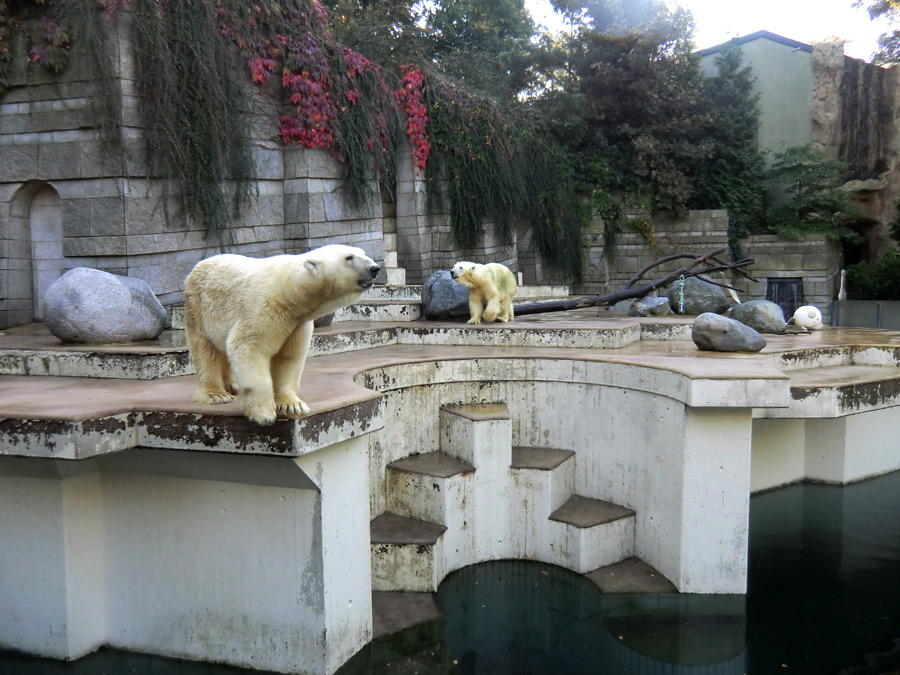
(783, 71)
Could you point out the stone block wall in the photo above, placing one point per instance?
(425, 242)
(695, 232)
(68, 198)
(814, 260)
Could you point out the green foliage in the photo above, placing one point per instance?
(497, 164)
(814, 202)
(484, 44)
(889, 43)
(386, 31)
(731, 173)
(651, 130)
(194, 108)
(875, 281)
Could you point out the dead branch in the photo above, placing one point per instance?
(698, 265)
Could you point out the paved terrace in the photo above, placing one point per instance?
(650, 417)
(39, 382)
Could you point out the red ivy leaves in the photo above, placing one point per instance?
(410, 97)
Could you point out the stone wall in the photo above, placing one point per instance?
(70, 198)
(814, 260)
(425, 241)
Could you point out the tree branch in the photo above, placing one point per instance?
(628, 291)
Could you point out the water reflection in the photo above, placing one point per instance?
(823, 599)
(519, 617)
(824, 579)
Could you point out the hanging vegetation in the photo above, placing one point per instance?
(497, 164)
(492, 163)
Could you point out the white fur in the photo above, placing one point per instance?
(249, 322)
(491, 290)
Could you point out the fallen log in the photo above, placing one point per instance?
(705, 264)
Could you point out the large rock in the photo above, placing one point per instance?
(88, 305)
(763, 316)
(443, 298)
(713, 332)
(647, 306)
(699, 296)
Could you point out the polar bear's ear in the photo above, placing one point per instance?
(312, 266)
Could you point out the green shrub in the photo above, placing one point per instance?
(875, 281)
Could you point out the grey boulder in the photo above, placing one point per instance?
(761, 315)
(650, 307)
(443, 298)
(92, 306)
(716, 333)
(696, 296)
(622, 306)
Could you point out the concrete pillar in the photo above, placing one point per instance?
(481, 435)
(715, 502)
(51, 565)
(341, 474)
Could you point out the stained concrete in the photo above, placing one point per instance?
(435, 463)
(630, 576)
(586, 512)
(543, 459)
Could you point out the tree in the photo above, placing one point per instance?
(731, 173)
(484, 43)
(386, 31)
(889, 42)
(627, 96)
(814, 201)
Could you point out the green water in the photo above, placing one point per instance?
(823, 598)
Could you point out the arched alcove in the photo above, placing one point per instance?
(35, 258)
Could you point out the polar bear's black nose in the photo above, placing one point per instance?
(374, 270)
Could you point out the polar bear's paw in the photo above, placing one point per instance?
(260, 408)
(291, 406)
(213, 397)
(261, 415)
(474, 320)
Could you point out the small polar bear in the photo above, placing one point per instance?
(249, 322)
(491, 290)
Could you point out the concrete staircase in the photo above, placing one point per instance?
(478, 498)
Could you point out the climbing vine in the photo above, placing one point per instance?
(492, 163)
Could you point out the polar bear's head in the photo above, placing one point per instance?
(462, 270)
(346, 267)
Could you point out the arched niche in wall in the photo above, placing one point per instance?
(35, 250)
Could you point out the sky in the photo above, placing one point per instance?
(718, 21)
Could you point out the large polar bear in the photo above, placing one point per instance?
(249, 322)
(491, 290)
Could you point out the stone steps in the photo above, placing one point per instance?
(405, 552)
(479, 499)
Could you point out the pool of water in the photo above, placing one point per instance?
(823, 598)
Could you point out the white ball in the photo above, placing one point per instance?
(808, 317)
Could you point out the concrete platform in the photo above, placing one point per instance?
(121, 497)
(630, 576)
(393, 612)
(586, 512)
